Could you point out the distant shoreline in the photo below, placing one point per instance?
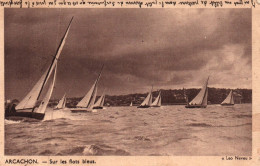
(169, 97)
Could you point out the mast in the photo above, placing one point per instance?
(157, 100)
(46, 99)
(100, 73)
(54, 59)
(92, 101)
(87, 99)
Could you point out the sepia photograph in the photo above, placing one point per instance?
(128, 82)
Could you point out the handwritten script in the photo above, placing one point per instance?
(128, 3)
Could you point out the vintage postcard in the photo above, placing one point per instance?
(130, 83)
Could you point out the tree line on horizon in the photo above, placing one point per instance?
(169, 97)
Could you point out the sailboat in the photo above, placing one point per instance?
(201, 100)
(229, 101)
(62, 103)
(131, 104)
(100, 103)
(87, 103)
(27, 107)
(147, 101)
(157, 102)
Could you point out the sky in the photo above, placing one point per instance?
(140, 48)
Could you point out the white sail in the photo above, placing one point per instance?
(232, 99)
(103, 100)
(42, 107)
(100, 101)
(31, 98)
(89, 99)
(229, 99)
(93, 99)
(148, 100)
(205, 99)
(61, 103)
(64, 103)
(157, 101)
(85, 102)
(131, 104)
(202, 97)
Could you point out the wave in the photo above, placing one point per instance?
(52, 138)
(63, 124)
(107, 121)
(142, 138)
(199, 125)
(243, 116)
(12, 121)
(94, 149)
(245, 124)
(57, 114)
(103, 150)
(46, 152)
(208, 125)
(47, 121)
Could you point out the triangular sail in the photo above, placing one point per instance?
(229, 99)
(31, 98)
(202, 97)
(205, 99)
(89, 99)
(85, 102)
(103, 101)
(56, 57)
(131, 104)
(148, 100)
(100, 101)
(232, 98)
(64, 103)
(93, 99)
(157, 101)
(61, 103)
(45, 101)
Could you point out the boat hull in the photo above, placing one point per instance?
(98, 107)
(21, 115)
(227, 104)
(195, 106)
(143, 106)
(156, 106)
(81, 110)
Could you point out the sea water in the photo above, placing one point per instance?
(167, 130)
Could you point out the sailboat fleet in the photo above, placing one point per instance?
(148, 101)
(27, 107)
(88, 101)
